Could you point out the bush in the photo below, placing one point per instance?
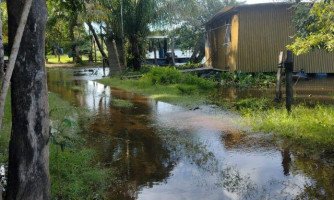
(240, 79)
(186, 89)
(163, 76)
(201, 83)
(190, 65)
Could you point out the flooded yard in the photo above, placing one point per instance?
(162, 151)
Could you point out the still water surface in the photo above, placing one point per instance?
(162, 151)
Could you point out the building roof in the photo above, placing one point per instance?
(234, 9)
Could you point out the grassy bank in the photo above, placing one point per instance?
(311, 127)
(167, 84)
(74, 174)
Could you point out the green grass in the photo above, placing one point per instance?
(52, 59)
(74, 173)
(168, 93)
(311, 127)
(167, 84)
(5, 132)
(121, 103)
(63, 59)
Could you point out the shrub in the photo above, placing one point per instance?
(163, 76)
(186, 89)
(190, 65)
(240, 79)
(201, 83)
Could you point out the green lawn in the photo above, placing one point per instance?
(52, 59)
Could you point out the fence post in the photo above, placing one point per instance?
(278, 90)
(288, 64)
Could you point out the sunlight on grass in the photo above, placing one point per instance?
(63, 59)
(312, 126)
(121, 103)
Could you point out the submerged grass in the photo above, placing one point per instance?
(121, 103)
(74, 174)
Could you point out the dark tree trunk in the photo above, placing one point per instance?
(96, 38)
(136, 58)
(2, 62)
(28, 170)
(121, 52)
(75, 48)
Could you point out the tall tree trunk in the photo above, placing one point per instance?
(113, 58)
(121, 52)
(28, 170)
(96, 37)
(136, 58)
(75, 48)
(2, 61)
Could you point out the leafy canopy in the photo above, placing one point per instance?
(315, 27)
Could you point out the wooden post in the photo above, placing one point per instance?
(288, 64)
(278, 96)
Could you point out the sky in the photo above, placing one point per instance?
(260, 1)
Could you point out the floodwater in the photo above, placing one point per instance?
(162, 151)
(311, 92)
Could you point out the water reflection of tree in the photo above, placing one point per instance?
(130, 146)
(293, 162)
(323, 178)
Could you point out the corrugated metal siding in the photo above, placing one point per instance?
(315, 62)
(266, 30)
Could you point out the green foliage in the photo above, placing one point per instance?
(253, 104)
(201, 83)
(239, 79)
(315, 29)
(121, 103)
(192, 14)
(190, 65)
(169, 75)
(5, 132)
(163, 75)
(74, 175)
(64, 26)
(186, 89)
(73, 172)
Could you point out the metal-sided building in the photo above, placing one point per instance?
(248, 38)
